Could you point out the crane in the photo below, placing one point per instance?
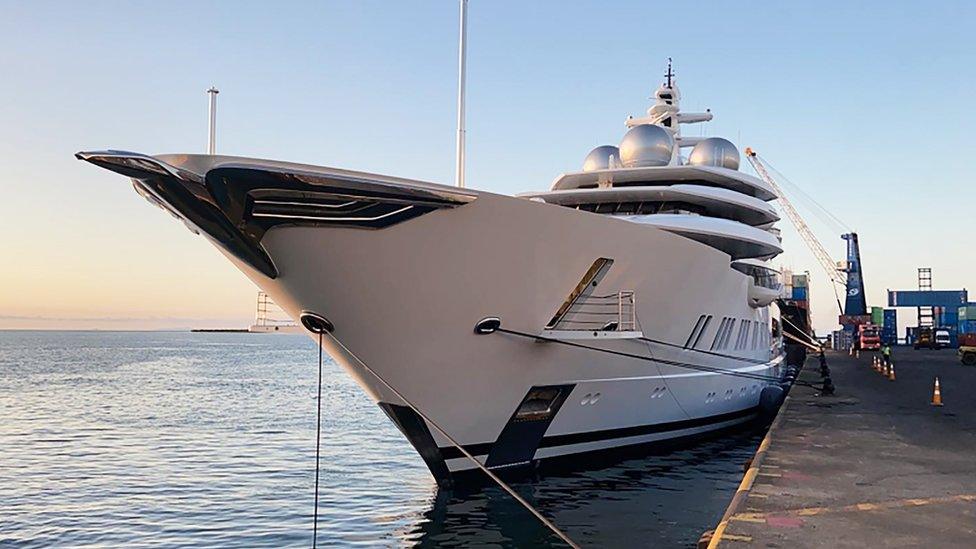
(837, 276)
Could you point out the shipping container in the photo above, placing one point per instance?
(948, 318)
(891, 317)
(877, 316)
(800, 281)
(927, 298)
(799, 293)
(967, 312)
(967, 326)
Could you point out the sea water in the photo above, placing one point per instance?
(171, 439)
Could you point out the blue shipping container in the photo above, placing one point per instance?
(891, 317)
(799, 294)
(927, 298)
(948, 319)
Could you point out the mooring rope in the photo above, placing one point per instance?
(704, 352)
(318, 441)
(504, 486)
(687, 365)
(697, 367)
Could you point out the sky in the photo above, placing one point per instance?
(865, 106)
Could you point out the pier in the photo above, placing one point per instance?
(876, 464)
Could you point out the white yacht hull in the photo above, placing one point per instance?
(404, 300)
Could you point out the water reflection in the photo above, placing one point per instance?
(207, 440)
(664, 500)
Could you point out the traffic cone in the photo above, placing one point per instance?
(936, 394)
(857, 353)
(874, 363)
(891, 371)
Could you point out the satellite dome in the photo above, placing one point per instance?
(646, 145)
(715, 151)
(599, 158)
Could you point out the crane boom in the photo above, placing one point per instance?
(836, 276)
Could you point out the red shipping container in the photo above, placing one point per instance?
(967, 340)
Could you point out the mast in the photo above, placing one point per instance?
(212, 130)
(462, 54)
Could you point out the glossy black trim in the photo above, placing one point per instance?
(589, 460)
(235, 204)
(520, 437)
(609, 434)
(415, 429)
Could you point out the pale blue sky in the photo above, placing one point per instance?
(867, 106)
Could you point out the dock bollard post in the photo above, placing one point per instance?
(828, 387)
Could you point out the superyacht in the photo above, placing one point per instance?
(626, 306)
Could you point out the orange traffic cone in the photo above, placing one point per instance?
(891, 371)
(874, 363)
(936, 394)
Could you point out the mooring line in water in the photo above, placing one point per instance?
(318, 445)
(504, 486)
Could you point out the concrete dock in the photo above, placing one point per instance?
(875, 465)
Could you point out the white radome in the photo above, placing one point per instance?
(600, 158)
(646, 145)
(715, 151)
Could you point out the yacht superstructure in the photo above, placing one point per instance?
(646, 261)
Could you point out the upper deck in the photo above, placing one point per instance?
(709, 176)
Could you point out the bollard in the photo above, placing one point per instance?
(828, 387)
(936, 394)
(891, 371)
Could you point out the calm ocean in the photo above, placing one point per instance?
(167, 439)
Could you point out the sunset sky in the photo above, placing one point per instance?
(865, 106)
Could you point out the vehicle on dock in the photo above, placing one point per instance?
(870, 337)
(967, 349)
(942, 339)
(925, 339)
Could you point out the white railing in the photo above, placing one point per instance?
(601, 313)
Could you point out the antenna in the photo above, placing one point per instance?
(670, 73)
(462, 54)
(212, 133)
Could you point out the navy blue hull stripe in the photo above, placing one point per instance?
(451, 452)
